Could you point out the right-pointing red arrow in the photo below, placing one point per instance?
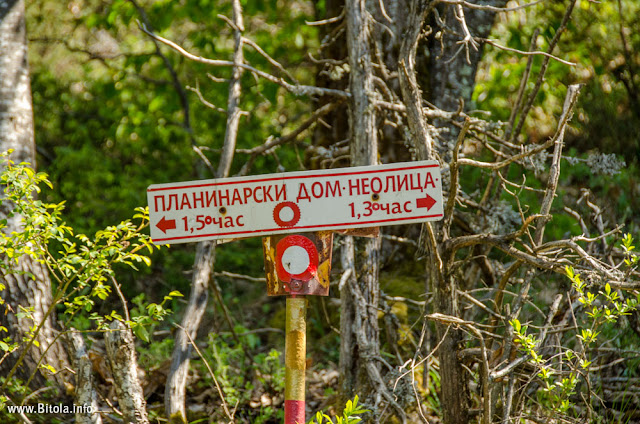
(427, 202)
(166, 224)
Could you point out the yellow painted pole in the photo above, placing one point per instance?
(295, 360)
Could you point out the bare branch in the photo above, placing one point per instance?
(523, 85)
(271, 60)
(227, 274)
(327, 21)
(296, 89)
(525, 53)
(204, 101)
(502, 164)
(468, 40)
(292, 135)
(554, 171)
(489, 8)
(453, 170)
(454, 244)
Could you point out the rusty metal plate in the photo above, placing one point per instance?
(370, 232)
(298, 264)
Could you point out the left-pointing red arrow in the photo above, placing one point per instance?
(166, 224)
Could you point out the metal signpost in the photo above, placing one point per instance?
(296, 213)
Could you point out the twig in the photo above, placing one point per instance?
(292, 135)
(21, 414)
(506, 414)
(453, 171)
(211, 373)
(184, 101)
(36, 393)
(489, 8)
(384, 12)
(416, 365)
(345, 277)
(479, 304)
(470, 325)
(327, 21)
(125, 308)
(240, 276)
(468, 40)
(204, 101)
(399, 239)
(502, 164)
(525, 53)
(225, 312)
(454, 244)
(271, 60)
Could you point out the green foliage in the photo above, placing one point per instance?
(631, 258)
(244, 374)
(82, 267)
(349, 414)
(601, 307)
(602, 44)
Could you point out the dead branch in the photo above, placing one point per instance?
(524, 53)
(453, 190)
(488, 7)
(295, 89)
(554, 171)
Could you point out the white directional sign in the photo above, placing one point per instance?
(293, 202)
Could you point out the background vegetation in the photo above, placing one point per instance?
(111, 119)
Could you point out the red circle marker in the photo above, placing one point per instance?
(294, 244)
(293, 221)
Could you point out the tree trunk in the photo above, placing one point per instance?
(360, 345)
(175, 389)
(452, 80)
(176, 381)
(86, 395)
(121, 351)
(27, 285)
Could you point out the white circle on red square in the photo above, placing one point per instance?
(296, 258)
(286, 214)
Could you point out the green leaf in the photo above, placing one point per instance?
(516, 325)
(141, 332)
(569, 270)
(48, 368)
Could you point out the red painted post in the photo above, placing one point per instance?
(295, 360)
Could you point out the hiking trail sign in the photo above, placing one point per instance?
(295, 202)
(296, 213)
